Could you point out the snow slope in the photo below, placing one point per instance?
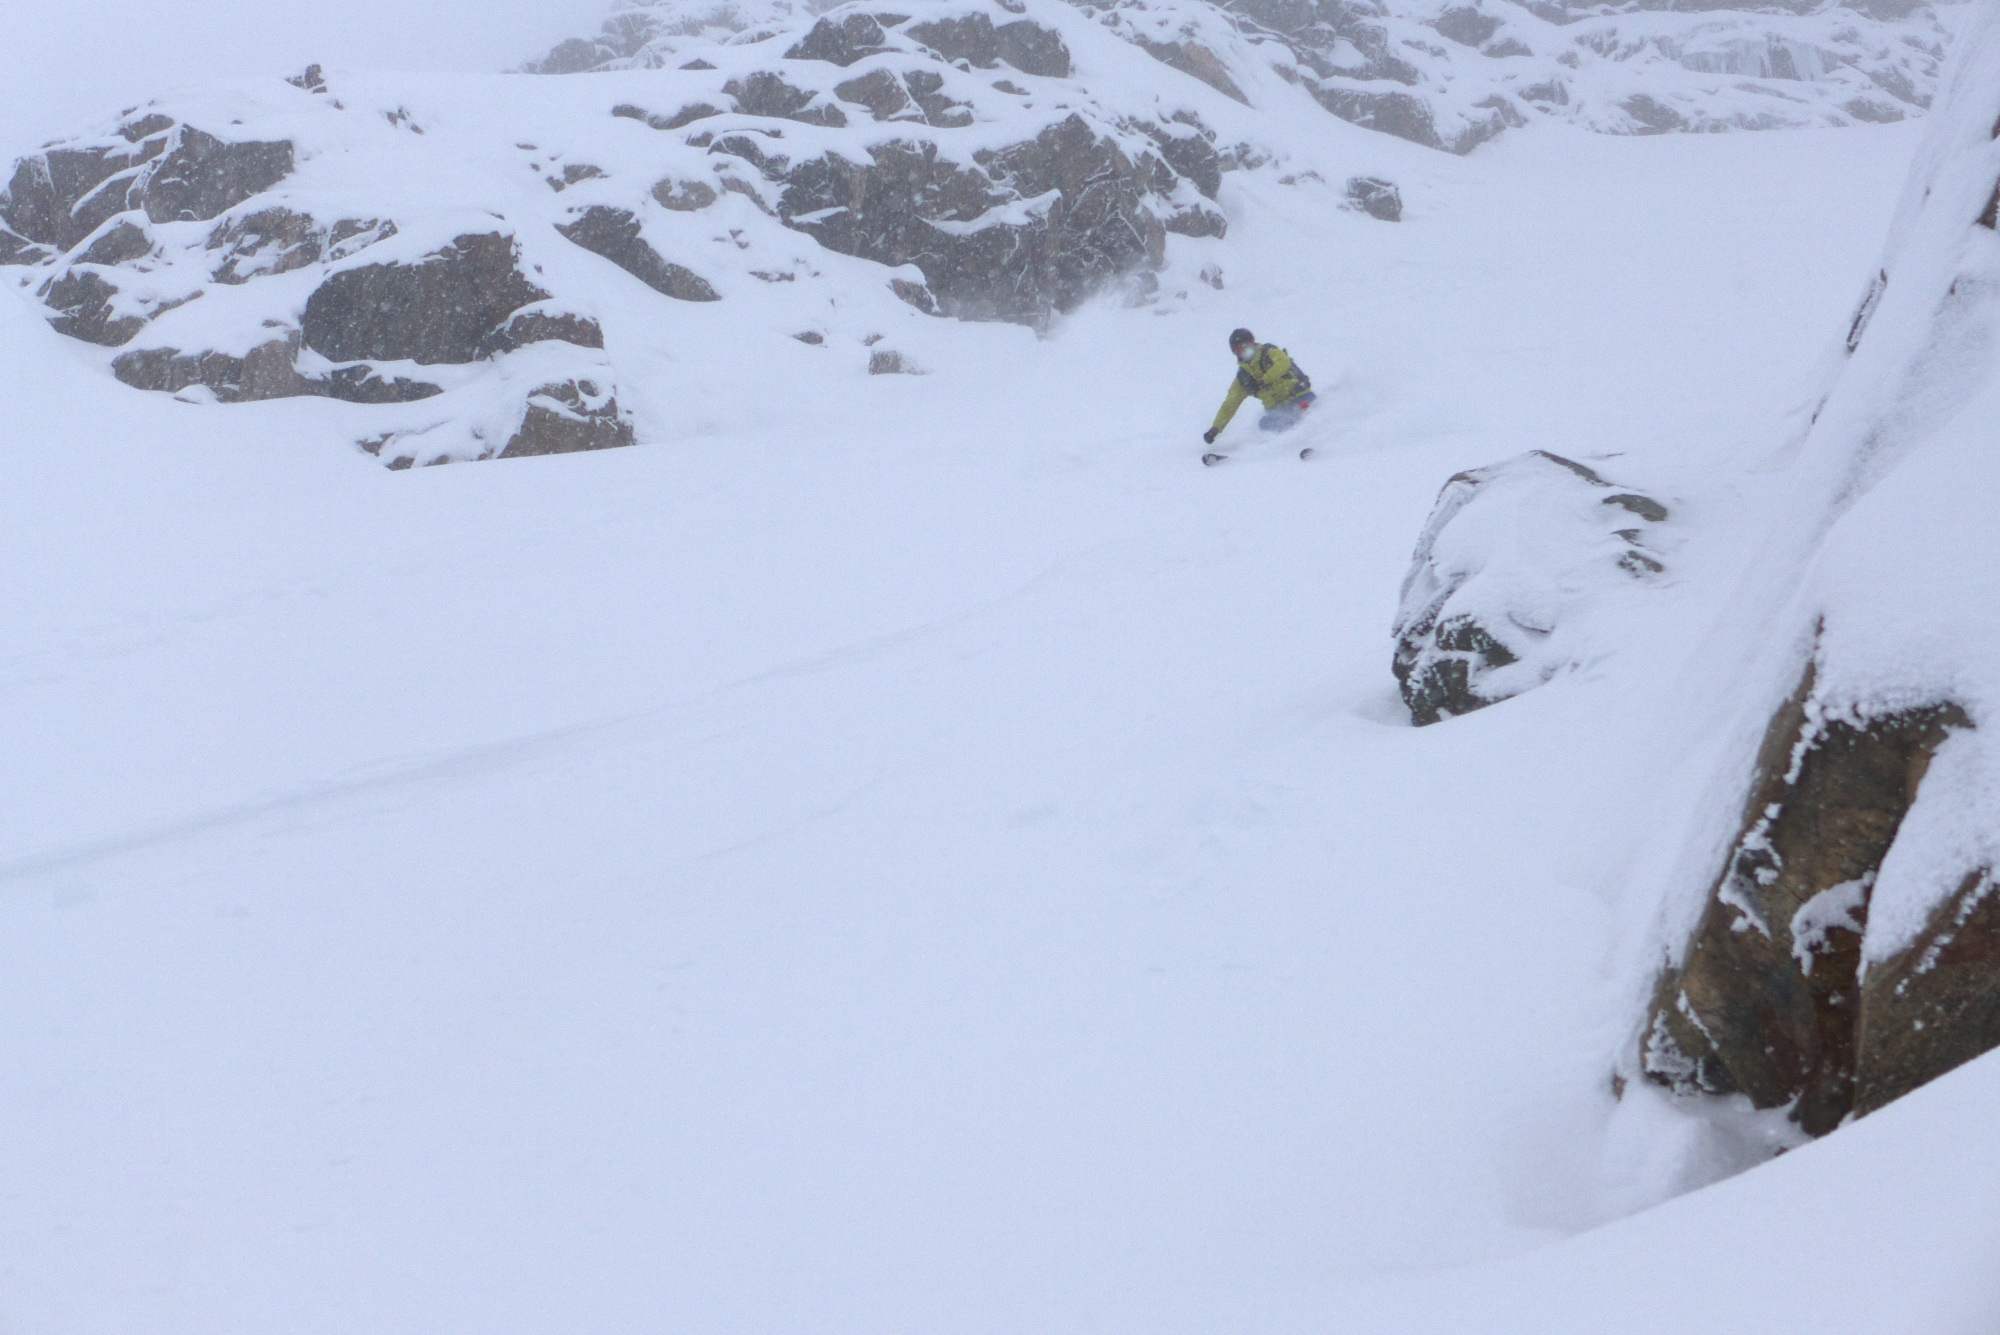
(926, 855)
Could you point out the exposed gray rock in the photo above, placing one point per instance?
(1090, 219)
(17, 249)
(265, 372)
(882, 92)
(82, 301)
(1375, 197)
(124, 242)
(61, 195)
(1934, 1005)
(1466, 25)
(566, 418)
(684, 196)
(973, 38)
(202, 177)
(767, 94)
(544, 322)
(841, 41)
(441, 309)
(616, 235)
(279, 240)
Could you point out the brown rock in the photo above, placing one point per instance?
(1766, 1001)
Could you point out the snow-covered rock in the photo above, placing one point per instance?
(1512, 578)
(1451, 74)
(1846, 950)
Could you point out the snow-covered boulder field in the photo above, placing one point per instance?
(1515, 578)
(464, 260)
(1844, 951)
(1452, 74)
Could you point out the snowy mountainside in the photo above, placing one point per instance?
(1445, 73)
(891, 863)
(470, 264)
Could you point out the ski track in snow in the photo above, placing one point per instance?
(851, 931)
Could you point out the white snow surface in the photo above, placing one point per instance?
(915, 853)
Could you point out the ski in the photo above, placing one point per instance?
(1308, 452)
(1213, 459)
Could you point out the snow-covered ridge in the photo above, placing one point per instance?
(1445, 73)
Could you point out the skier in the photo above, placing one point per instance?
(1268, 371)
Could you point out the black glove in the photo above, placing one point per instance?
(1208, 436)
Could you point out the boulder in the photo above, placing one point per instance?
(616, 235)
(767, 94)
(1766, 999)
(61, 195)
(1375, 197)
(568, 417)
(1502, 587)
(441, 309)
(882, 92)
(974, 39)
(202, 177)
(841, 41)
(82, 302)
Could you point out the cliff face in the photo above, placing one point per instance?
(1849, 947)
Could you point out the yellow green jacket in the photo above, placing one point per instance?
(1270, 375)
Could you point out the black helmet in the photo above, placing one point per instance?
(1240, 337)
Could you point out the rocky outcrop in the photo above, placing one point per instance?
(1507, 576)
(168, 171)
(1015, 234)
(566, 418)
(1772, 996)
(615, 234)
(444, 308)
